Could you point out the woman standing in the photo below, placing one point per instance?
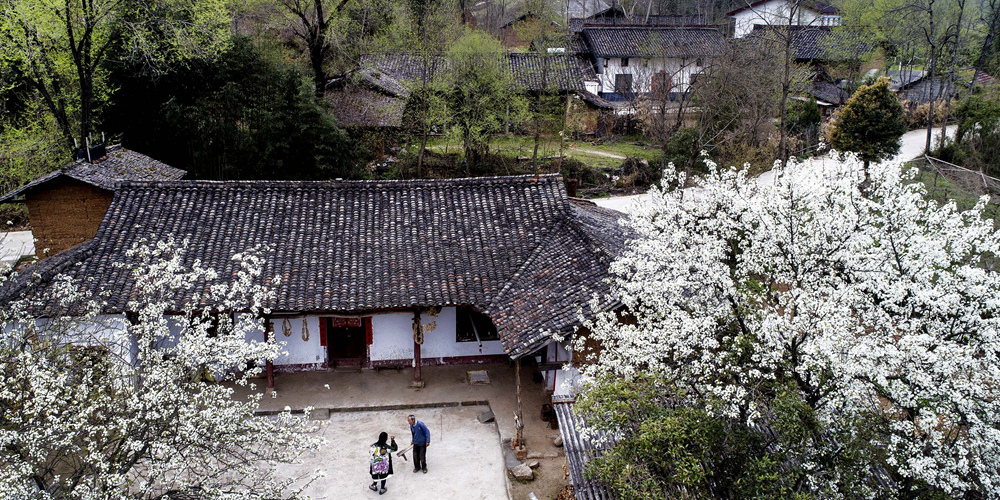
(380, 463)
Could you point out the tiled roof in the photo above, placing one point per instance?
(405, 66)
(557, 281)
(819, 43)
(362, 246)
(581, 445)
(828, 92)
(121, 165)
(672, 42)
(566, 72)
(360, 107)
(927, 89)
(577, 24)
(902, 78)
(595, 100)
(534, 71)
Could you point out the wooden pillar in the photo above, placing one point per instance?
(268, 363)
(518, 418)
(418, 338)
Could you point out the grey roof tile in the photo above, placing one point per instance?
(120, 165)
(672, 42)
(515, 247)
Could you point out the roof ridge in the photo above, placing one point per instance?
(505, 179)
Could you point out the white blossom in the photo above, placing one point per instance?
(876, 301)
(133, 417)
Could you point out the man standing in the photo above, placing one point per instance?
(421, 440)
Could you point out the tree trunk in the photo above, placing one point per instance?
(951, 73)
(933, 47)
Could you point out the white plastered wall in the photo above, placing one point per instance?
(642, 70)
(301, 346)
(773, 13)
(392, 337)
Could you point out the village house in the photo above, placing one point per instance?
(828, 51)
(663, 61)
(66, 206)
(373, 273)
(782, 13)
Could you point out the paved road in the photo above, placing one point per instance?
(912, 146)
(14, 245)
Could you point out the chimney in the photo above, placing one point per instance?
(571, 185)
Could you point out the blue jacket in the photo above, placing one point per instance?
(421, 435)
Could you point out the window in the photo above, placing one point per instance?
(623, 84)
(624, 62)
(471, 324)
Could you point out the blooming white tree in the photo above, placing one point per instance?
(96, 406)
(878, 310)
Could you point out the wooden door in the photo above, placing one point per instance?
(346, 341)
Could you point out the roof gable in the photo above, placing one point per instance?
(120, 165)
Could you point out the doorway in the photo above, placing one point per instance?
(347, 341)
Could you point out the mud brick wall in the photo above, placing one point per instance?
(65, 213)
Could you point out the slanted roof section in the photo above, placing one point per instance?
(554, 286)
(120, 165)
(563, 72)
(640, 41)
(363, 246)
(580, 449)
(828, 92)
(364, 108)
(899, 79)
(818, 43)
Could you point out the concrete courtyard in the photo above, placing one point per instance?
(363, 403)
(463, 460)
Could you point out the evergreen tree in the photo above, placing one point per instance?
(870, 124)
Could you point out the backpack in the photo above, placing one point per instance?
(379, 460)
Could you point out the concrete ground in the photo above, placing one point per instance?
(14, 245)
(463, 460)
(389, 392)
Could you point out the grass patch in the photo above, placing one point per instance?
(942, 190)
(603, 156)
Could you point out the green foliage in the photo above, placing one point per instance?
(248, 115)
(29, 148)
(870, 123)
(977, 144)
(683, 149)
(666, 447)
(483, 99)
(63, 50)
(804, 115)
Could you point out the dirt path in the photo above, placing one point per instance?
(598, 153)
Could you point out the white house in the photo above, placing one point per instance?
(782, 13)
(662, 61)
(373, 273)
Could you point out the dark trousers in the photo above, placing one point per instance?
(419, 456)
